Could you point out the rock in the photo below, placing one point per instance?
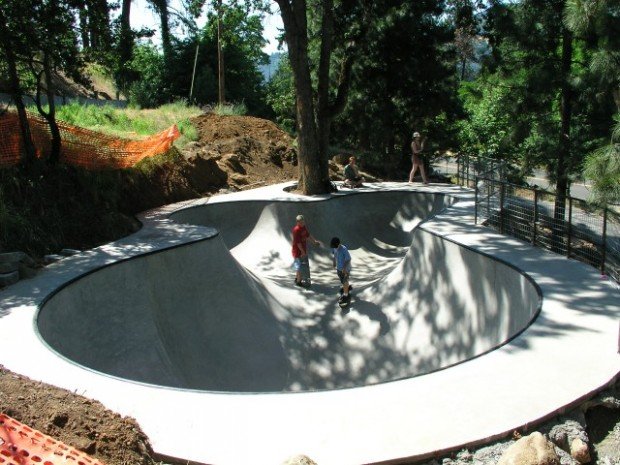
(276, 159)
(6, 279)
(51, 258)
(69, 252)
(579, 451)
(341, 158)
(239, 179)
(206, 174)
(604, 429)
(534, 449)
(12, 257)
(233, 161)
(300, 460)
(28, 261)
(26, 272)
(572, 427)
(8, 267)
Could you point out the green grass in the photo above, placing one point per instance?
(130, 123)
(231, 109)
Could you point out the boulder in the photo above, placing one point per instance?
(8, 257)
(534, 449)
(6, 279)
(26, 272)
(579, 451)
(239, 179)
(8, 267)
(69, 252)
(206, 173)
(51, 258)
(300, 460)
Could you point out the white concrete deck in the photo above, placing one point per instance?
(568, 352)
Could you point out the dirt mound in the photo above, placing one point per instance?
(75, 420)
(248, 152)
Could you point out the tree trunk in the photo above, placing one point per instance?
(125, 52)
(15, 91)
(311, 180)
(83, 15)
(324, 109)
(562, 184)
(165, 30)
(99, 24)
(50, 116)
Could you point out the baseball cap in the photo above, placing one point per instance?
(300, 218)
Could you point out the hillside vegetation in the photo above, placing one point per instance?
(44, 209)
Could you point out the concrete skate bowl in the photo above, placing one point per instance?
(222, 314)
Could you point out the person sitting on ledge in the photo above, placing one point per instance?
(352, 176)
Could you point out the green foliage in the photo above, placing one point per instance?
(130, 122)
(487, 127)
(150, 90)
(281, 95)
(44, 210)
(188, 130)
(404, 81)
(602, 167)
(599, 22)
(513, 109)
(102, 118)
(241, 46)
(237, 109)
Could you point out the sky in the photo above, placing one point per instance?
(142, 16)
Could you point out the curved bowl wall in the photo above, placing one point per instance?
(221, 314)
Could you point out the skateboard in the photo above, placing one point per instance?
(306, 280)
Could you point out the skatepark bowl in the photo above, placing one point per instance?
(222, 314)
(455, 336)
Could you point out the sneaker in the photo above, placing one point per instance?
(298, 283)
(341, 291)
(342, 299)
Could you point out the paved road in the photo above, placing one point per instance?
(580, 189)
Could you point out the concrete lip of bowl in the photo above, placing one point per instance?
(524, 333)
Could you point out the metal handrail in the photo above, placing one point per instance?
(522, 214)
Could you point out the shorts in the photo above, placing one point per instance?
(341, 276)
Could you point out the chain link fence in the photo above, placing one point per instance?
(572, 227)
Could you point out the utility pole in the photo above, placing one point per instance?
(191, 89)
(220, 55)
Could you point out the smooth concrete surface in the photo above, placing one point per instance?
(433, 291)
(195, 317)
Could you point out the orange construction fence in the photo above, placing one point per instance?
(80, 147)
(21, 445)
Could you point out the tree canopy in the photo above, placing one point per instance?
(532, 82)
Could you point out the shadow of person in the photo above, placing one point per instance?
(371, 310)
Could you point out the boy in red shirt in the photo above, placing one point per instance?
(300, 248)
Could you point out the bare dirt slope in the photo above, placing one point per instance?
(249, 151)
